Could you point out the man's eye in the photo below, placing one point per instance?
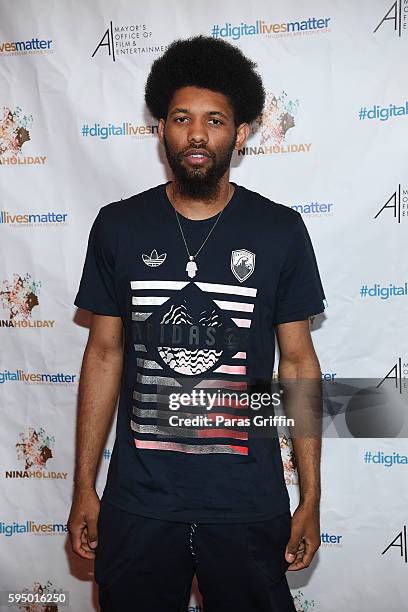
(180, 119)
(217, 121)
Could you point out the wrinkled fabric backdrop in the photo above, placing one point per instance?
(75, 135)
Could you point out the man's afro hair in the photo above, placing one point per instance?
(209, 63)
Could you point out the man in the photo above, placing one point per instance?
(187, 283)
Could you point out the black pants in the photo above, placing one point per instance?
(147, 565)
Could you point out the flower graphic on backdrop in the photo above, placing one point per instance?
(40, 589)
(35, 448)
(288, 460)
(277, 118)
(20, 296)
(302, 604)
(14, 130)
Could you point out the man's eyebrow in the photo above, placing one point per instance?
(212, 113)
(220, 113)
(179, 110)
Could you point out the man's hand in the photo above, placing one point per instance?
(82, 522)
(304, 538)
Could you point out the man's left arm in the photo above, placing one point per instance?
(300, 377)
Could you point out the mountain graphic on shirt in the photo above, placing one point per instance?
(181, 359)
(194, 332)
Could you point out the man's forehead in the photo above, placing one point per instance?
(193, 98)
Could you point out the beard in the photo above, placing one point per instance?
(196, 182)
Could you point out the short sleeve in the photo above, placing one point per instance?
(300, 292)
(97, 286)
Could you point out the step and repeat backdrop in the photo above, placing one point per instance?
(332, 143)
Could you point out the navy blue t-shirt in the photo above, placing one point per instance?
(212, 330)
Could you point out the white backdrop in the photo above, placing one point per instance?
(333, 143)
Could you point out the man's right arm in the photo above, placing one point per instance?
(99, 386)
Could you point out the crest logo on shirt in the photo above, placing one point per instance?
(154, 259)
(242, 264)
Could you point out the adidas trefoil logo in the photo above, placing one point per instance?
(154, 259)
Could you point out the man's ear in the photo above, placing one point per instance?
(242, 135)
(160, 129)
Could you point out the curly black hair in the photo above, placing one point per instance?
(210, 63)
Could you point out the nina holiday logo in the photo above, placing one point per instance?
(242, 264)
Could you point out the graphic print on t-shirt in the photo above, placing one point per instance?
(154, 259)
(242, 263)
(188, 335)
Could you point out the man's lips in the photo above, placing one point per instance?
(197, 157)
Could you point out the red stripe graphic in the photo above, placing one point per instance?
(191, 448)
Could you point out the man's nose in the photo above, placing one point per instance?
(197, 131)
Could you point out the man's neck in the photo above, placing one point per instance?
(199, 209)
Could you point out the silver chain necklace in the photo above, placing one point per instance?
(191, 267)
